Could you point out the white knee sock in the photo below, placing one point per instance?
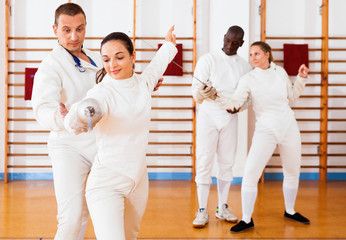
(290, 194)
(222, 191)
(248, 199)
(203, 194)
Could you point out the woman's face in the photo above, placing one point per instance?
(117, 60)
(259, 58)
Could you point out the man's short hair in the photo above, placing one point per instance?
(70, 9)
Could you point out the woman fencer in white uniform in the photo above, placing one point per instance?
(270, 90)
(117, 187)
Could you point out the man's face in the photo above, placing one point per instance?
(231, 43)
(70, 31)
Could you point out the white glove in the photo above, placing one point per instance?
(73, 124)
(83, 116)
(204, 92)
(207, 92)
(227, 103)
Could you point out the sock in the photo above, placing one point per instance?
(290, 194)
(248, 199)
(222, 191)
(203, 194)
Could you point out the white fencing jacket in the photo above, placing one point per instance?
(270, 91)
(221, 71)
(59, 80)
(122, 133)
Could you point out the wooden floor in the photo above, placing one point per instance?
(27, 211)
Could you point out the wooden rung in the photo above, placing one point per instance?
(184, 73)
(169, 155)
(15, 96)
(49, 38)
(170, 143)
(313, 85)
(30, 49)
(337, 84)
(148, 155)
(148, 61)
(336, 108)
(169, 166)
(16, 73)
(170, 131)
(337, 61)
(336, 49)
(310, 96)
(27, 154)
(16, 84)
(28, 131)
(311, 143)
(310, 61)
(308, 119)
(303, 166)
(336, 154)
(29, 166)
(337, 119)
(171, 119)
(310, 49)
(337, 131)
(27, 143)
(336, 96)
(337, 73)
(337, 38)
(303, 155)
(310, 131)
(32, 38)
(306, 108)
(149, 166)
(171, 96)
(162, 38)
(19, 108)
(336, 166)
(24, 61)
(336, 143)
(315, 73)
(176, 84)
(21, 120)
(302, 38)
(172, 108)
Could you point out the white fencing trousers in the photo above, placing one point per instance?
(215, 137)
(115, 203)
(263, 145)
(70, 171)
(262, 148)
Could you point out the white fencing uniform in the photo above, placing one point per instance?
(58, 80)
(117, 188)
(216, 130)
(270, 91)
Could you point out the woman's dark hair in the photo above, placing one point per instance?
(114, 36)
(265, 48)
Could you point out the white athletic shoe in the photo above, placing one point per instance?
(202, 218)
(225, 214)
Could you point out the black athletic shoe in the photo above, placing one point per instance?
(242, 226)
(297, 217)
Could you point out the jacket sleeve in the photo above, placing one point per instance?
(294, 90)
(202, 73)
(46, 97)
(158, 64)
(239, 97)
